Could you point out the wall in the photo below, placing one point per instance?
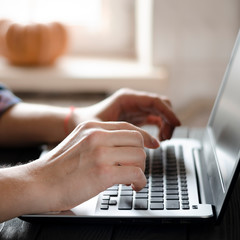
(194, 39)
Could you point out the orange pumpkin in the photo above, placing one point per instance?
(33, 43)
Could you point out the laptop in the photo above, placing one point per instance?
(189, 177)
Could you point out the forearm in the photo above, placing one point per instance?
(24, 190)
(33, 123)
(16, 192)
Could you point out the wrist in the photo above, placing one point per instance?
(68, 122)
(39, 193)
(19, 192)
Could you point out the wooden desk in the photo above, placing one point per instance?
(229, 229)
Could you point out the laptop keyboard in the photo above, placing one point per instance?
(166, 187)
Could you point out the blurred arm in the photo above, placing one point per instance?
(26, 123)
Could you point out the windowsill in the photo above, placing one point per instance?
(74, 74)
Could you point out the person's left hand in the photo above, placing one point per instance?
(136, 107)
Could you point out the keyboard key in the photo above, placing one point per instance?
(171, 174)
(157, 184)
(183, 181)
(112, 202)
(144, 190)
(156, 206)
(141, 195)
(157, 189)
(170, 149)
(174, 178)
(125, 203)
(104, 202)
(157, 200)
(184, 193)
(157, 155)
(104, 207)
(185, 202)
(173, 205)
(172, 192)
(157, 164)
(156, 194)
(184, 197)
(185, 207)
(105, 197)
(157, 170)
(141, 204)
(172, 197)
(126, 188)
(157, 179)
(115, 187)
(110, 193)
(172, 187)
(157, 175)
(172, 182)
(126, 193)
(171, 167)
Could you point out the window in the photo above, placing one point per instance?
(96, 27)
(120, 29)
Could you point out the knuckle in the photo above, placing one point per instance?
(138, 137)
(123, 91)
(90, 139)
(93, 137)
(125, 125)
(88, 124)
(142, 154)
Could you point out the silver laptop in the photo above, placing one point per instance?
(190, 177)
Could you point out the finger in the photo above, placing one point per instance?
(128, 175)
(153, 102)
(166, 131)
(121, 138)
(119, 156)
(122, 129)
(165, 112)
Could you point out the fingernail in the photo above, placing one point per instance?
(155, 142)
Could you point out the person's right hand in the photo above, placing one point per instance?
(95, 156)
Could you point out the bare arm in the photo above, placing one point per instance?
(95, 156)
(26, 123)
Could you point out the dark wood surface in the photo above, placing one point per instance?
(229, 228)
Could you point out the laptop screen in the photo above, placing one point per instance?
(225, 120)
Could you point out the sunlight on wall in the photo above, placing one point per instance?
(81, 12)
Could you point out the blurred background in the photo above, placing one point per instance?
(175, 48)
